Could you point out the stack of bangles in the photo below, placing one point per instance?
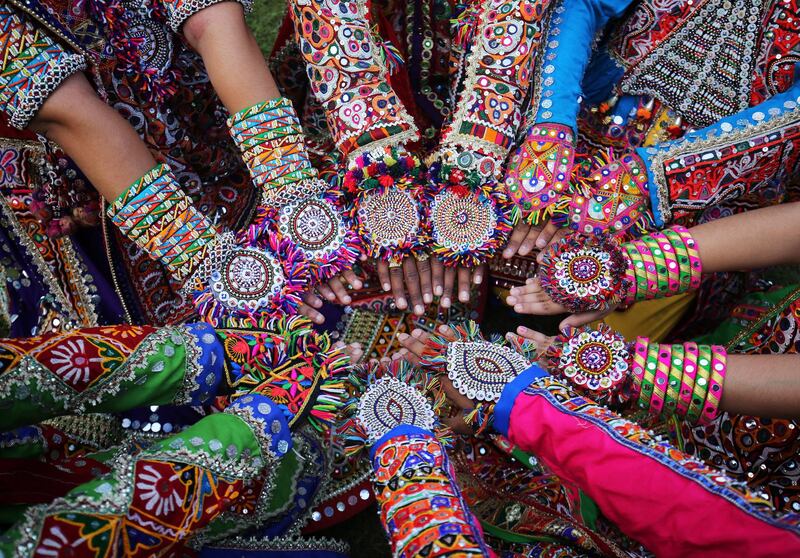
(585, 274)
(683, 380)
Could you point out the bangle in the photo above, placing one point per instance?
(635, 272)
(660, 263)
(682, 257)
(694, 256)
(671, 260)
(650, 272)
(662, 377)
(639, 363)
(714, 394)
(687, 378)
(648, 380)
(674, 380)
(700, 383)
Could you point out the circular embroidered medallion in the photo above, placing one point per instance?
(462, 223)
(583, 274)
(390, 217)
(389, 403)
(480, 369)
(595, 359)
(313, 225)
(247, 279)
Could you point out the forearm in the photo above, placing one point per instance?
(760, 238)
(231, 55)
(100, 141)
(763, 386)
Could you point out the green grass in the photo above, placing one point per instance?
(265, 20)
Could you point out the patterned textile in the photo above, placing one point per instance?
(761, 452)
(107, 369)
(421, 507)
(33, 66)
(151, 501)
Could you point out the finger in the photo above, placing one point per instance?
(325, 290)
(529, 242)
(311, 298)
(519, 233)
(458, 425)
(383, 276)
(540, 298)
(547, 308)
(411, 275)
(396, 280)
(310, 313)
(339, 290)
(414, 345)
(352, 279)
(546, 235)
(425, 280)
(577, 320)
(449, 283)
(447, 332)
(464, 276)
(532, 335)
(478, 274)
(462, 401)
(437, 271)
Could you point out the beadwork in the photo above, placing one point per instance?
(247, 280)
(389, 220)
(480, 370)
(594, 360)
(584, 274)
(389, 403)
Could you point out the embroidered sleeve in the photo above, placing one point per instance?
(727, 160)
(33, 66)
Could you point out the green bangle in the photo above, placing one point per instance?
(661, 264)
(700, 384)
(682, 255)
(674, 382)
(649, 377)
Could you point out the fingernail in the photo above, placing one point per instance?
(506, 253)
(347, 300)
(401, 303)
(463, 296)
(427, 298)
(357, 284)
(443, 328)
(518, 308)
(437, 290)
(387, 287)
(402, 336)
(511, 301)
(478, 279)
(541, 243)
(445, 302)
(523, 329)
(419, 310)
(416, 332)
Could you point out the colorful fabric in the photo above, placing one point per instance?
(33, 66)
(349, 77)
(150, 502)
(731, 158)
(539, 172)
(421, 507)
(107, 369)
(578, 439)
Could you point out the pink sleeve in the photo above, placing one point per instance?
(671, 503)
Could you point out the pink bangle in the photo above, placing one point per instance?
(639, 362)
(694, 256)
(662, 377)
(671, 259)
(687, 379)
(715, 383)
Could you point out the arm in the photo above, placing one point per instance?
(762, 386)
(653, 492)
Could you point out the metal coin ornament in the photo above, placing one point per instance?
(389, 403)
(480, 369)
(583, 273)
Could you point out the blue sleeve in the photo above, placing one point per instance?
(502, 410)
(568, 44)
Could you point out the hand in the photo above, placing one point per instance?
(541, 340)
(466, 278)
(532, 299)
(413, 275)
(525, 238)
